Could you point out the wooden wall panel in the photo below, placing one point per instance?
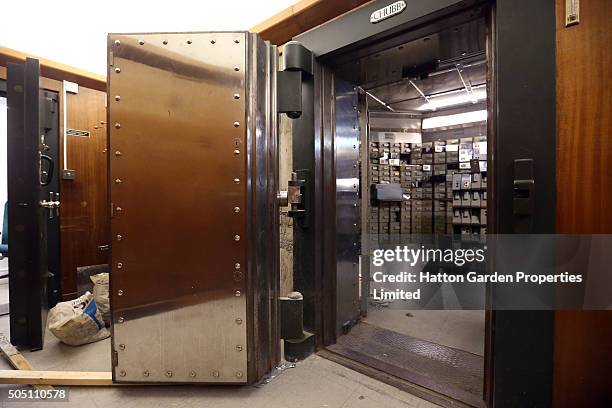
(84, 218)
(583, 340)
(301, 17)
(45, 83)
(55, 70)
(584, 150)
(84, 222)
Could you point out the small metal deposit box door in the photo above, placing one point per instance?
(193, 170)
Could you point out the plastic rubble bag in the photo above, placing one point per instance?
(78, 321)
(100, 294)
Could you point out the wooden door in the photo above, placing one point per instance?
(84, 220)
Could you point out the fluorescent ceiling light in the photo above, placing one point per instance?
(444, 101)
(457, 119)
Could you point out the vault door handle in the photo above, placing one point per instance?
(523, 205)
(46, 175)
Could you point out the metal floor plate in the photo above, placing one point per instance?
(454, 373)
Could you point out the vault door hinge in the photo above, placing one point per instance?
(289, 93)
(298, 64)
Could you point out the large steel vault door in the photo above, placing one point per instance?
(193, 163)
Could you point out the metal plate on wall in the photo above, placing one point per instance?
(177, 135)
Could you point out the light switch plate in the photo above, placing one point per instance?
(68, 174)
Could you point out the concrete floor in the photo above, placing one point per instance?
(315, 382)
(460, 329)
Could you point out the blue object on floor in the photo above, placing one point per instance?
(4, 244)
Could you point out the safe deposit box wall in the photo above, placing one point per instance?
(193, 163)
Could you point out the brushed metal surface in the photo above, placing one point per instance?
(184, 187)
(348, 239)
(262, 224)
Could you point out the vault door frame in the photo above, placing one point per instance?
(320, 306)
(518, 62)
(326, 151)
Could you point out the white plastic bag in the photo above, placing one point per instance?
(100, 294)
(78, 321)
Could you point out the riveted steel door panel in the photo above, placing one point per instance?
(193, 186)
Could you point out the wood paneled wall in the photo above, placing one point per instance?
(301, 17)
(583, 340)
(84, 219)
(52, 70)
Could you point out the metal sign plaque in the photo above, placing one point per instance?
(388, 11)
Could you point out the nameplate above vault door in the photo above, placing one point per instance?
(388, 11)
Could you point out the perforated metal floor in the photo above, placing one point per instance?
(454, 373)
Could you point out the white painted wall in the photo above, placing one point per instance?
(73, 32)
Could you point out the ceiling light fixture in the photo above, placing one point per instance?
(456, 119)
(457, 98)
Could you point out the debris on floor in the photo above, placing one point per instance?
(78, 321)
(100, 294)
(17, 360)
(276, 372)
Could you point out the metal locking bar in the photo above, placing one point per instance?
(295, 196)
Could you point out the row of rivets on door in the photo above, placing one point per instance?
(192, 373)
(118, 209)
(237, 273)
(236, 180)
(165, 42)
(238, 277)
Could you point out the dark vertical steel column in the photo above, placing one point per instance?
(17, 196)
(27, 227)
(325, 182)
(50, 124)
(524, 101)
(304, 166)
